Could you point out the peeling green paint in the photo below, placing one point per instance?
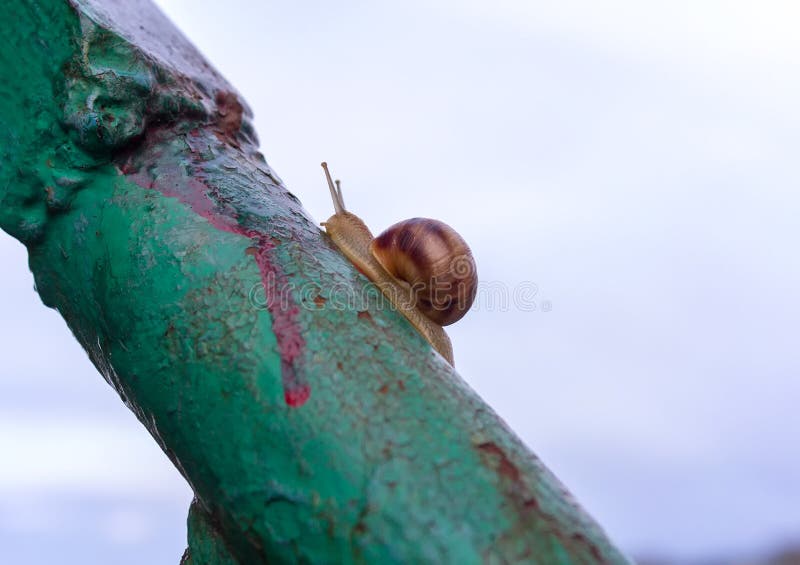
(209, 300)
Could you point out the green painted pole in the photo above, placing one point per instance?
(313, 425)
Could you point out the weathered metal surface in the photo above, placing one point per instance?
(313, 425)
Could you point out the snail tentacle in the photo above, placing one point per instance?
(336, 195)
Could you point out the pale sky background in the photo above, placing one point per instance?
(636, 161)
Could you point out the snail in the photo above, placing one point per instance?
(422, 266)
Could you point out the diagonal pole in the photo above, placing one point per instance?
(313, 423)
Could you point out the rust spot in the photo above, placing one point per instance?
(384, 389)
(593, 549)
(364, 315)
(229, 114)
(128, 167)
(251, 251)
(504, 465)
(320, 300)
(401, 385)
(532, 504)
(527, 506)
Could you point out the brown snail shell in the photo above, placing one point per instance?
(436, 264)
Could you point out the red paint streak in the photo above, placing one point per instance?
(280, 304)
(297, 396)
(284, 321)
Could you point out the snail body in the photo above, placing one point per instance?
(421, 265)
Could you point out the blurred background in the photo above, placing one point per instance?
(627, 175)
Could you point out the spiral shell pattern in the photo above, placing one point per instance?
(434, 262)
